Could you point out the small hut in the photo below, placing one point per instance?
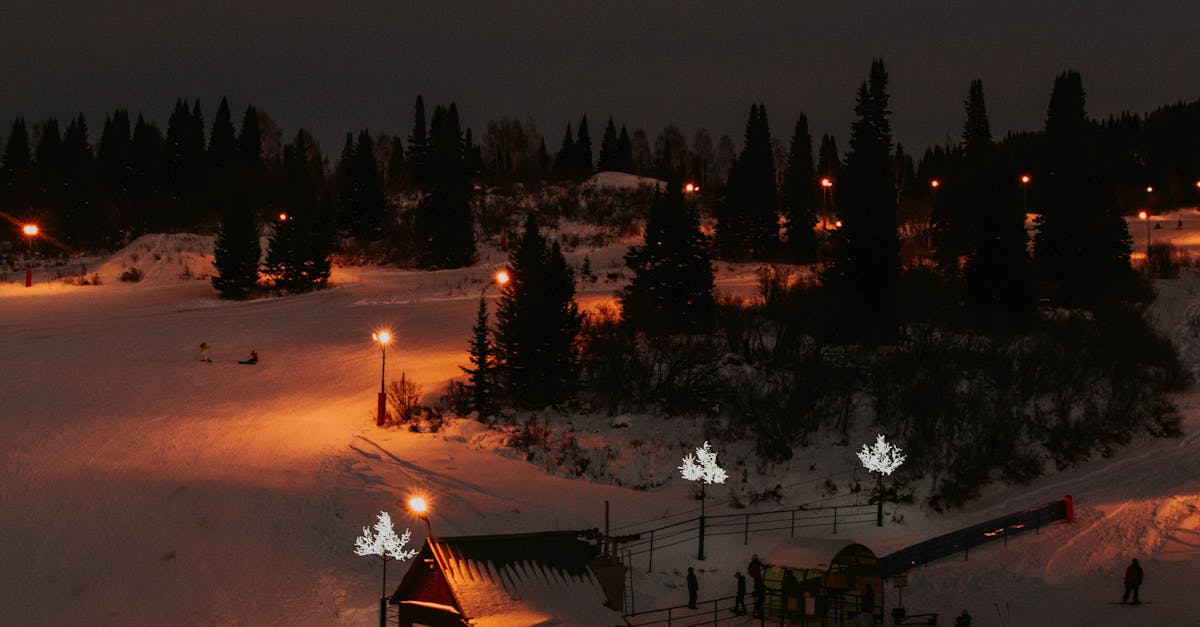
(548, 578)
(815, 578)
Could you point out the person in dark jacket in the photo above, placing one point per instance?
(755, 569)
(693, 588)
(963, 620)
(1133, 581)
(739, 601)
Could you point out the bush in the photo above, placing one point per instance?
(404, 398)
(132, 275)
(1166, 259)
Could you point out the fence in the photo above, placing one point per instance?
(965, 539)
(746, 524)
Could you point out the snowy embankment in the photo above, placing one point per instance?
(141, 486)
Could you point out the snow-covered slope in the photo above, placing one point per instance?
(141, 486)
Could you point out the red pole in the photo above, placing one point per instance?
(1069, 506)
(28, 277)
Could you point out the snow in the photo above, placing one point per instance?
(139, 485)
(621, 180)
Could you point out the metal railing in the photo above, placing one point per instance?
(963, 540)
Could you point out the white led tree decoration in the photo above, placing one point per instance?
(883, 458)
(702, 467)
(384, 544)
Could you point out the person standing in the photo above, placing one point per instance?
(755, 569)
(1133, 581)
(204, 352)
(693, 588)
(739, 602)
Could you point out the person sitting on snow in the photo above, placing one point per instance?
(253, 359)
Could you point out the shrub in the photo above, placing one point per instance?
(132, 275)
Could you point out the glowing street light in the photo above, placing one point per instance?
(283, 216)
(383, 338)
(501, 277)
(420, 507)
(30, 230)
(1144, 216)
(1025, 193)
(826, 185)
(691, 188)
(935, 184)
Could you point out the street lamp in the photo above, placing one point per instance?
(1025, 193)
(30, 231)
(419, 506)
(383, 338)
(1144, 216)
(826, 184)
(691, 188)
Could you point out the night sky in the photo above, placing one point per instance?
(332, 69)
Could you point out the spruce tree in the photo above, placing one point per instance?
(418, 145)
(608, 148)
(361, 194)
(799, 194)
(624, 161)
(81, 221)
(113, 155)
(236, 251)
(671, 290)
(15, 177)
(538, 323)
(146, 176)
(249, 145)
(481, 376)
(444, 225)
(1082, 246)
(222, 143)
(299, 250)
(582, 165)
(747, 216)
(863, 279)
(395, 166)
(564, 161)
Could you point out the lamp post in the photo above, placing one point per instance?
(826, 184)
(383, 338)
(1144, 216)
(419, 506)
(1198, 195)
(1025, 193)
(31, 232)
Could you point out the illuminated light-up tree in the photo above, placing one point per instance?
(702, 467)
(883, 458)
(384, 543)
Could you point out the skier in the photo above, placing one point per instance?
(693, 587)
(1133, 581)
(739, 602)
(204, 352)
(253, 359)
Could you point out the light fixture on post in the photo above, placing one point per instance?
(30, 231)
(1025, 193)
(420, 507)
(826, 184)
(383, 338)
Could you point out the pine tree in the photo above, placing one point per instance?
(15, 177)
(236, 251)
(799, 194)
(418, 145)
(864, 276)
(82, 224)
(444, 226)
(624, 162)
(146, 176)
(113, 155)
(608, 148)
(1082, 246)
(249, 145)
(299, 249)
(481, 376)
(360, 194)
(222, 143)
(747, 217)
(564, 161)
(998, 276)
(671, 290)
(395, 166)
(582, 165)
(538, 323)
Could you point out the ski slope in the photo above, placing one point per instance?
(139, 486)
